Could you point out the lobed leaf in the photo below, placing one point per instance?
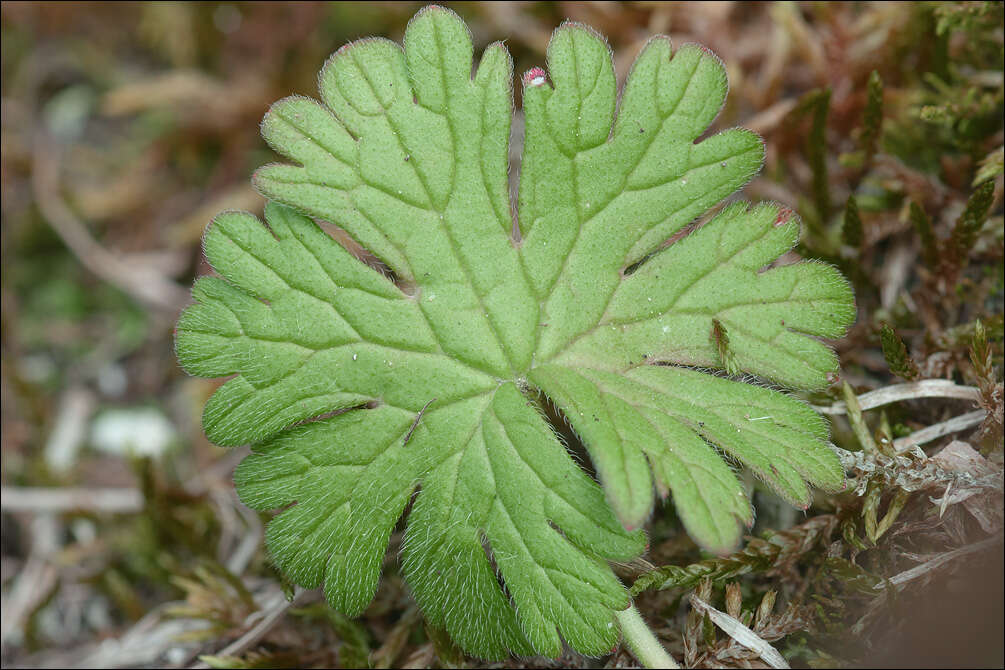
(363, 395)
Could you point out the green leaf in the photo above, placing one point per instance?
(362, 394)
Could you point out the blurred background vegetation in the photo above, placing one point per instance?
(126, 127)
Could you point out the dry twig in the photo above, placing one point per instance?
(35, 581)
(38, 499)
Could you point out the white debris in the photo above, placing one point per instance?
(137, 431)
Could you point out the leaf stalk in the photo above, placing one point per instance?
(642, 641)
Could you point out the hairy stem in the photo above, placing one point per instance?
(641, 640)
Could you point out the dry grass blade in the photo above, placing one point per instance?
(742, 634)
(955, 425)
(929, 388)
(939, 560)
(271, 615)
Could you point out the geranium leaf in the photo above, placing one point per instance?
(364, 393)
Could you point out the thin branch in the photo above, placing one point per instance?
(39, 499)
(928, 388)
(36, 580)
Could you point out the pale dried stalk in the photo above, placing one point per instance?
(273, 613)
(934, 432)
(36, 580)
(928, 388)
(39, 499)
(742, 634)
(932, 564)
